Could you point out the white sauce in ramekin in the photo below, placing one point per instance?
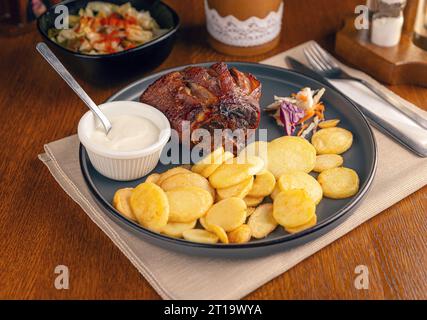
(128, 133)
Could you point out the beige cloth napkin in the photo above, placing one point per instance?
(178, 276)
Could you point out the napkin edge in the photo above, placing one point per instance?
(50, 162)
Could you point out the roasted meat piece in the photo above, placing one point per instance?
(209, 98)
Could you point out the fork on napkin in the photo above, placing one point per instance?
(388, 112)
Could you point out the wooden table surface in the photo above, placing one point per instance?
(41, 227)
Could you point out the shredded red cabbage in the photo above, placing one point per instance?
(290, 115)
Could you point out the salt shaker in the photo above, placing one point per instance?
(387, 23)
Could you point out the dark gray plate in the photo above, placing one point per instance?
(362, 157)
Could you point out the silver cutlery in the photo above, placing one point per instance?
(50, 57)
(324, 64)
(399, 134)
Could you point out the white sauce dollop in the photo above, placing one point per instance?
(129, 133)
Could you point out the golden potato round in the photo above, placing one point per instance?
(328, 161)
(229, 174)
(239, 190)
(263, 185)
(188, 203)
(275, 192)
(200, 236)
(256, 148)
(212, 158)
(121, 202)
(210, 163)
(198, 168)
(229, 214)
(189, 179)
(293, 208)
(220, 233)
(253, 201)
(211, 168)
(332, 140)
(249, 211)
(154, 178)
(339, 183)
(169, 173)
(329, 123)
(242, 234)
(261, 222)
(303, 227)
(176, 229)
(301, 180)
(150, 206)
(288, 154)
(256, 163)
(203, 222)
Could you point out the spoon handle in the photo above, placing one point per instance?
(50, 57)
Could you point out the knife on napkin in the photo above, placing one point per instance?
(413, 138)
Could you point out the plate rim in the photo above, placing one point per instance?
(346, 210)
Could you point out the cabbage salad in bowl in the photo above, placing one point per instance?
(105, 28)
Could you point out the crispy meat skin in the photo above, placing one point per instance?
(210, 98)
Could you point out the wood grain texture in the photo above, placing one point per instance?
(41, 227)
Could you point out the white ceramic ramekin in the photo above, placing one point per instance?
(124, 165)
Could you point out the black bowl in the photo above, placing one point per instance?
(108, 68)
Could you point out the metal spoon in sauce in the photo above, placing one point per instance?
(50, 57)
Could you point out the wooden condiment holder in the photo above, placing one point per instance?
(403, 64)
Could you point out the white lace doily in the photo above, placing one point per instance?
(251, 32)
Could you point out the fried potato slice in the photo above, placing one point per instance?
(328, 161)
(229, 174)
(200, 236)
(253, 201)
(121, 202)
(211, 168)
(188, 203)
(261, 222)
(256, 164)
(150, 206)
(229, 214)
(263, 185)
(213, 158)
(176, 229)
(288, 153)
(171, 172)
(220, 233)
(293, 208)
(239, 190)
(275, 192)
(154, 178)
(303, 227)
(198, 168)
(189, 179)
(332, 140)
(301, 180)
(203, 222)
(339, 183)
(241, 234)
(249, 211)
(258, 149)
(329, 123)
